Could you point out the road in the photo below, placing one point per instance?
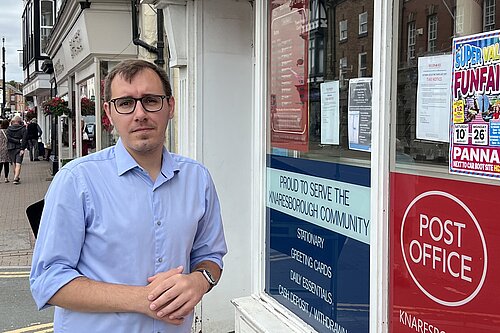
(18, 312)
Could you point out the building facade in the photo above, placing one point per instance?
(357, 188)
(327, 126)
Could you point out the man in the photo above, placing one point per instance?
(16, 144)
(131, 237)
(34, 132)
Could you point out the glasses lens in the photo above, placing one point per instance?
(124, 105)
(152, 103)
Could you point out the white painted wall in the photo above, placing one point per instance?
(211, 45)
(224, 142)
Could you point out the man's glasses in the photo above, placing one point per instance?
(150, 103)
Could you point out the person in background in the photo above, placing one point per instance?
(34, 133)
(16, 144)
(131, 236)
(4, 153)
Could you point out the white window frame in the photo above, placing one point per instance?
(342, 68)
(412, 39)
(362, 70)
(363, 23)
(432, 23)
(46, 28)
(488, 15)
(343, 30)
(459, 20)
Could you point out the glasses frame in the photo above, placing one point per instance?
(139, 99)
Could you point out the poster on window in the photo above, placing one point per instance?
(288, 78)
(475, 130)
(434, 97)
(318, 262)
(330, 114)
(360, 114)
(444, 272)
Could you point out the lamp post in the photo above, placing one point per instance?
(3, 78)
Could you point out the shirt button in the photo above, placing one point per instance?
(160, 259)
(158, 222)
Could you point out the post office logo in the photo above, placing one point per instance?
(444, 248)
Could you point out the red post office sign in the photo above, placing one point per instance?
(444, 239)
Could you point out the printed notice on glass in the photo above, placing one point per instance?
(434, 97)
(360, 114)
(330, 113)
(475, 109)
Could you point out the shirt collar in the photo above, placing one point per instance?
(125, 162)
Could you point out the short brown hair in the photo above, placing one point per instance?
(128, 69)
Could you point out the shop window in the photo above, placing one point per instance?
(363, 23)
(343, 30)
(432, 33)
(489, 15)
(318, 165)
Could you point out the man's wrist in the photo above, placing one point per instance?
(208, 277)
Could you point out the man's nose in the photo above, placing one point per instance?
(139, 111)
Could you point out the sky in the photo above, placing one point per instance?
(10, 29)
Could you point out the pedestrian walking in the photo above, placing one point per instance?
(4, 153)
(34, 132)
(131, 237)
(17, 142)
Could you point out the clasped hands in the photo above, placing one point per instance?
(172, 295)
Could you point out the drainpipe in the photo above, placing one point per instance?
(158, 50)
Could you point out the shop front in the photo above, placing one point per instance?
(82, 56)
(381, 167)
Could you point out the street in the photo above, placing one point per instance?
(18, 312)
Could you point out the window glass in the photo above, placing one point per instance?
(363, 23)
(46, 23)
(109, 137)
(426, 32)
(318, 175)
(343, 29)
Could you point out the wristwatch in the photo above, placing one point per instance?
(208, 276)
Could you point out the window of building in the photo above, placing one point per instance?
(319, 135)
(363, 23)
(342, 71)
(362, 68)
(412, 38)
(343, 30)
(489, 15)
(432, 33)
(46, 22)
(459, 20)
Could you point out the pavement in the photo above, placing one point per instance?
(16, 237)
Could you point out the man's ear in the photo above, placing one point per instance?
(106, 106)
(171, 105)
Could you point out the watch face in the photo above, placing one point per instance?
(208, 276)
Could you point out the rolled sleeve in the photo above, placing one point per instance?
(209, 242)
(60, 239)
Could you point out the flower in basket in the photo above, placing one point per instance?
(56, 106)
(88, 106)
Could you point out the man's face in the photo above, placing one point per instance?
(141, 132)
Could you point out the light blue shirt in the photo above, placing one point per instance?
(106, 220)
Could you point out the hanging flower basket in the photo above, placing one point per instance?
(56, 106)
